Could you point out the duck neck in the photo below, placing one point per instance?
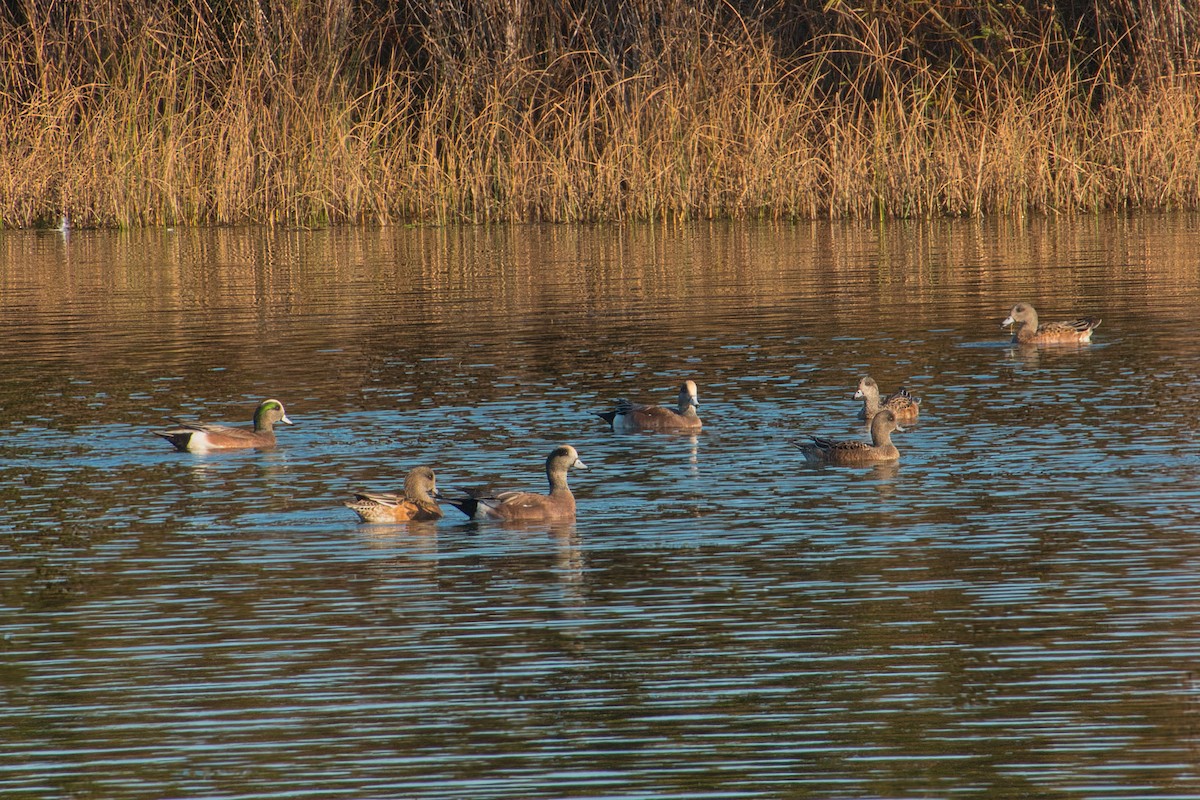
(558, 481)
(870, 404)
(1027, 328)
(881, 436)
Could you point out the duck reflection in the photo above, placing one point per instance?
(568, 556)
(885, 474)
(1043, 356)
(412, 549)
(568, 561)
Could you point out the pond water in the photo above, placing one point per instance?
(1011, 610)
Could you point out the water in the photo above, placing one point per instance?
(1006, 612)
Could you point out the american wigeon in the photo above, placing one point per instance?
(826, 451)
(1027, 330)
(901, 403)
(417, 502)
(629, 417)
(559, 505)
(200, 437)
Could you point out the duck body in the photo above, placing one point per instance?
(1027, 330)
(901, 403)
(519, 506)
(418, 501)
(630, 417)
(201, 437)
(851, 453)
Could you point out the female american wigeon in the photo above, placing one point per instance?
(200, 437)
(417, 502)
(559, 505)
(1026, 329)
(826, 451)
(628, 417)
(901, 403)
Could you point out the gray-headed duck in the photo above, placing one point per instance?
(827, 451)
(559, 505)
(901, 403)
(1026, 330)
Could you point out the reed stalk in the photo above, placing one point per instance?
(195, 112)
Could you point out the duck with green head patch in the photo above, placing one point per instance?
(201, 437)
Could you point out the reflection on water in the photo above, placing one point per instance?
(1005, 612)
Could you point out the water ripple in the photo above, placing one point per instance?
(1005, 612)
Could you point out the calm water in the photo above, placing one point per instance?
(1012, 611)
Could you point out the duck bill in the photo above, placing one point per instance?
(1008, 321)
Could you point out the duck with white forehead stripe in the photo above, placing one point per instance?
(201, 437)
(628, 417)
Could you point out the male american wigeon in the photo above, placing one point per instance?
(826, 451)
(200, 437)
(1026, 329)
(417, 502)
(901, 403)
(559, 505)
(628, 417)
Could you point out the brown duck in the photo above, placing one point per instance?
(901, 403)
(1026, 330)
(827, 451)
(628, 417)
(200, 437)
(559, 505)
(417, 502)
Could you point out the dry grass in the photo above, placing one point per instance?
(308, 114)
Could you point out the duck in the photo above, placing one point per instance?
(418, 501)
(558, 506)
(1026, 329)
(850, 453)
(628, 417)
(901, 403)
(201, 437)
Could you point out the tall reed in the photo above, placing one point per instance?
(303, 112)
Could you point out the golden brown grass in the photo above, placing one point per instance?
(303, 113)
